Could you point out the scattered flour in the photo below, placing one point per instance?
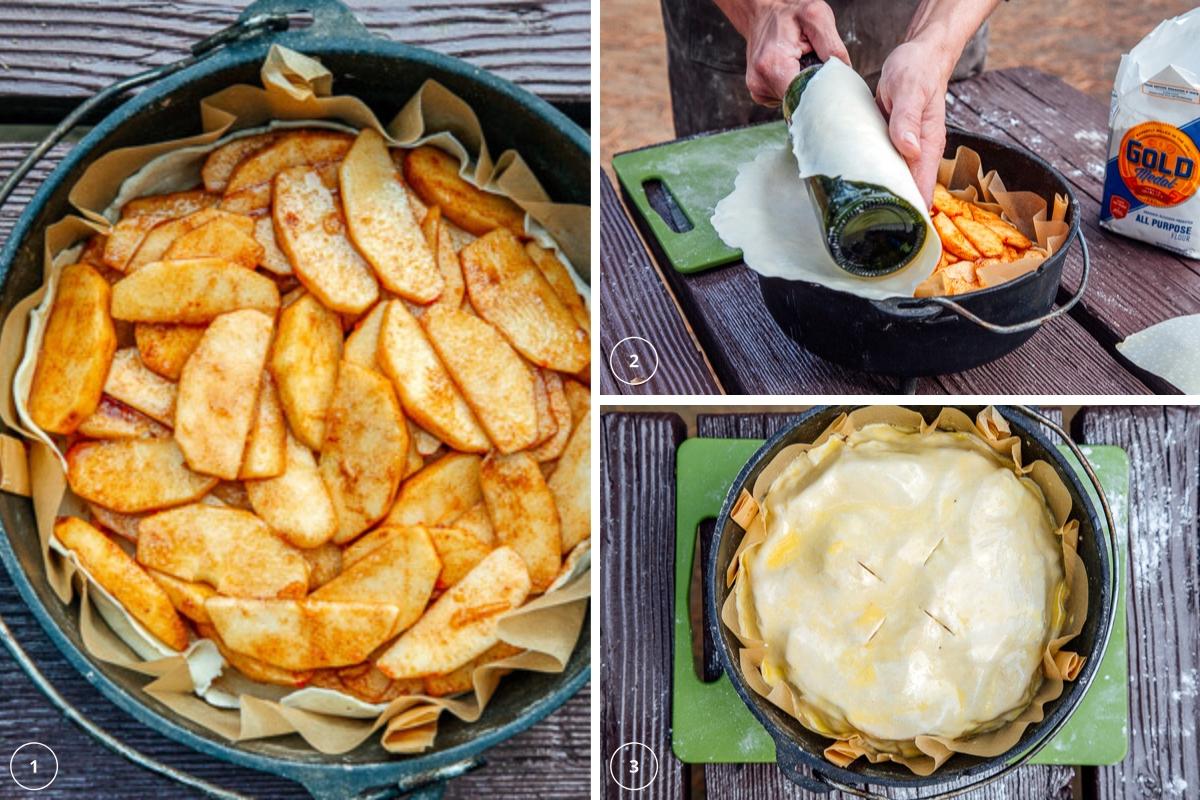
(1093, 137)
(1187, 687)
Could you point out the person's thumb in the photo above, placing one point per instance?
(904, 126)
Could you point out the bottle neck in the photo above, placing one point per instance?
(795, 89)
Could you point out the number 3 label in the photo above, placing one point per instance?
(633, 766)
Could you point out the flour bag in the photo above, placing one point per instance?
(1152, 178)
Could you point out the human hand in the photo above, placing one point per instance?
(912, 94)
(778, 33)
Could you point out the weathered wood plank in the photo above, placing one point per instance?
(11, 154)
(637, 493)
(1164, 599)
(69, 49)
(1133, 285)
(634, 302)
(748, 351)
(27, 716)
(754, 781)
(1061, 358)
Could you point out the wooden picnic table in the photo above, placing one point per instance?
(638, 507)
(729, 330)
(54, 53)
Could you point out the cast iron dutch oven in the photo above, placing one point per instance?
(798, 750)
(384, 74)
(911, 337)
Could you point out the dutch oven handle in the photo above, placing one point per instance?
(247, 26)
(428, 785)
(329, 17)
(914, 309)
(789, 760)
(43, 684)
(1028, 325)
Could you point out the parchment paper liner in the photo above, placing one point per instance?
(1044, 225)
(925, 754)
(295, 87)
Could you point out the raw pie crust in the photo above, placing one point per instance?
(908, 585)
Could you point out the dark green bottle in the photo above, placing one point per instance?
(869, 230)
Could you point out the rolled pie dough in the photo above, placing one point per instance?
(907, 584)
(837, 130)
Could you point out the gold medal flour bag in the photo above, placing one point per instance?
(1152, 180)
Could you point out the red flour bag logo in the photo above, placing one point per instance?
(1159, 165)
(1118, 206)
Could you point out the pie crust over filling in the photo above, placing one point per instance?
(907, 585)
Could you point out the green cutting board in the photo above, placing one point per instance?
(711, 724)
(697, 172)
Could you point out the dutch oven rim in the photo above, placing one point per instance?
(310, 768)
(786, 744)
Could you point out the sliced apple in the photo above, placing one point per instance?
(187, 597)
(230, 237)
(273, 259)
(160, 238)
(324, 564)
(165, 347)
(193, 291)
(231, 549)
(459, 550)
(363, 342)
(570, 483)
(77, 348)
(289, 150)
(434, 175)
(168, 206)
(222, 161)
(556, 274)
(132, 475)
(521, 507)
(296, 505)
(462, 623)
(509, 291)
(560, 410)
(401, 572)
(381, 222)
(477, 522)
(113, 419)
(253, 668)
(438, 237)
(124, 579)
(365, 450)
(266, 444)
(130, 382)
(310, 229)
(302, 634)
(440, 493)
(493, 379)
(218, 392)
(304, 363)
(426, 389)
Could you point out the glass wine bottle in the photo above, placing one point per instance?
(868, 230)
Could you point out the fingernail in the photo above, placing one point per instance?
(910, 138)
